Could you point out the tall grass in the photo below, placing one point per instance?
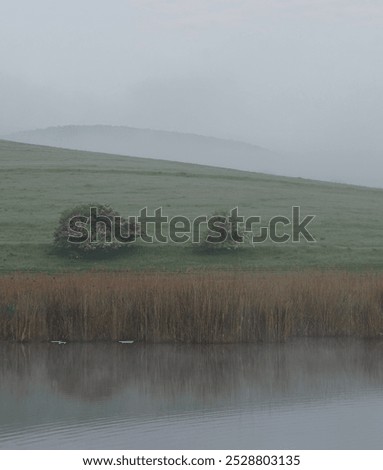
(192, 308)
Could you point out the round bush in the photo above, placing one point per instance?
(213, 240)
(74, 231)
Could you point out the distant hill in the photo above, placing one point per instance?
(180, 147)
(203, 150)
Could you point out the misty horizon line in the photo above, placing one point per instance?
(168, 159)
(150, 129)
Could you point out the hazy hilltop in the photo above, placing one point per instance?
(181, 147)
(202, 150)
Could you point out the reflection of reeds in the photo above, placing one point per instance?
(200, 308)
(167, 374)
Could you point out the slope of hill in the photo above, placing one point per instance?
(38, 183)
(175, 146)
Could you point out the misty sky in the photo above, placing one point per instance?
(295, 76)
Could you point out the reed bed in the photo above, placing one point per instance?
(190, 308)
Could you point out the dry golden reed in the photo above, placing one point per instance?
(191, 308)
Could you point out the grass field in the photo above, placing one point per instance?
(38, 183)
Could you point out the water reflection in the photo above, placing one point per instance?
(146, 391)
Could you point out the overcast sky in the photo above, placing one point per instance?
(295, 76)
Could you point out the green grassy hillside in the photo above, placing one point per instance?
(38, 183)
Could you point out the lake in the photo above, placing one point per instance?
(303, 394)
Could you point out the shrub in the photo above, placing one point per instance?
(77, 237)
(221, 234)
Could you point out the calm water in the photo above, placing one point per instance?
(306, 394)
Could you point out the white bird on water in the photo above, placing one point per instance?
(126, 342)
(59, 342)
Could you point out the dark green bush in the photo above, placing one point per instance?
(68, 237)
(211, 240)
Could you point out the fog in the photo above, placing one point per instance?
(302, 78)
